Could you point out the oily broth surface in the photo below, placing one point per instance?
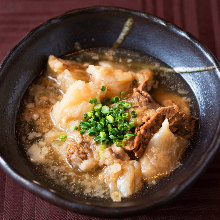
(34, 121)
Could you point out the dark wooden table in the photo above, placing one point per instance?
(199, 17)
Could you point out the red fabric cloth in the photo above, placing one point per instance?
(201, 18)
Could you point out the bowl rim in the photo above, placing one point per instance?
(92, 210)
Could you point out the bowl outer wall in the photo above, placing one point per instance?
(103, 24)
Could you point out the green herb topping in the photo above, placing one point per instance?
(133, 114)
(109, 122)
(94, 101)
(62, 137)
(103, 88)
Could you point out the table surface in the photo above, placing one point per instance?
(201, 18)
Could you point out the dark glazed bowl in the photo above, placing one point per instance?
(100, 27)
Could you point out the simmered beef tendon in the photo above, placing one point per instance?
(144, 105)
(123, 179)
(144, 77)
(163, 153)
(74, 104)
(114, 154)
(66, 72)
(142, 101)
(116, 80)
(130, 180)
(180, 124)
(80, 155)
(83, 153)
(150, 120)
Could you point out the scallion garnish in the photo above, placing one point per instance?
(110, 119)
(105, 109)
(81, 131)
(98, 106)
(109, 124)
(122, 93)
(133, 114)
(90, 114)
(62, 137)
(103, 88)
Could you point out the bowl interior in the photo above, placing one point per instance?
(100, 27)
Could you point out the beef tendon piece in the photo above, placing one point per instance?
(80, 155)
(162, 154)
(180, 124)
(66, 72)
(151, 117)
(123, 178)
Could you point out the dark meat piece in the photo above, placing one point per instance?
(119, 153)
(79, 150)
(145, 86)
(180, 124)
(141, 97)
(139, 100)
(153, 116)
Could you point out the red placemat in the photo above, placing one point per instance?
(199, 17)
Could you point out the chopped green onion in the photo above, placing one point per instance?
(103, 88)
(109, 127)
(121, 95)
(101, 150)
(105, 109)
(125, 115)
(110, 118)
(98, 106)
(62, 137)
(92, 131)
(127, 136)
(120, 145)
(103, 134)
(133, 114)
(90, 114)
(97, 114)
(100, 127)
(127, 105)
(109, 124)
(95, 100)
(76, 128)
(96, 139)
(81, 131)
(112, 136)
(114, 99)
(131, 124)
